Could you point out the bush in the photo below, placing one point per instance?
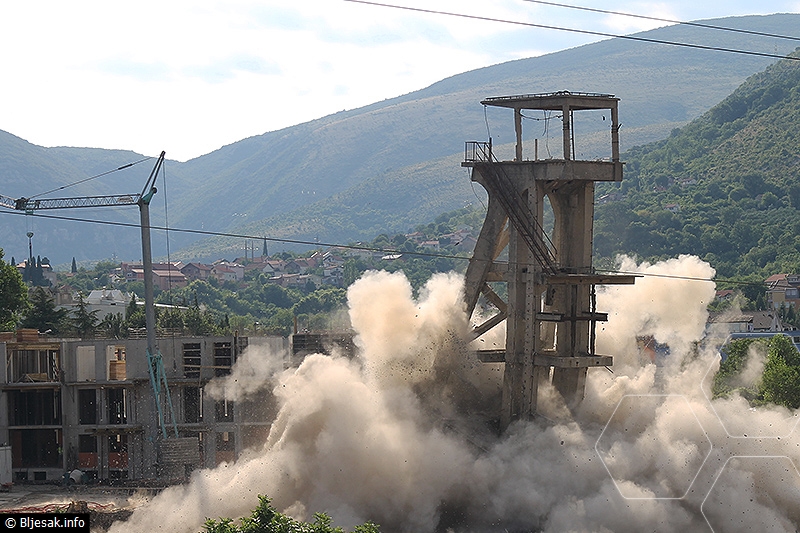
(265, 519)
(780, 381)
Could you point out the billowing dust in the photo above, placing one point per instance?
(402, 434)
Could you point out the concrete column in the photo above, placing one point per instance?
(566, 134)
(573, 210)
(614, 134)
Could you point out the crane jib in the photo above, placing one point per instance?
(26, 204)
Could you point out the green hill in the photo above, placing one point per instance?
(725, 187)
(403, 167)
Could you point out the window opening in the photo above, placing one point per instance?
(117, 403)
(223, 358)
(191, 359)
(87, 406)
(193, 405)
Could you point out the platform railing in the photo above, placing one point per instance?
(477, 152)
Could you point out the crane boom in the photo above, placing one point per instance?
(111, 200)
(5, 201)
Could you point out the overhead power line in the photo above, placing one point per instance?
(345, 246)
(670, 21)
(575, 30)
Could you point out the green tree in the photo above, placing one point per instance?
(171, 318)
(275, 294)
(43, 314)
(134, 315)
(791, 316)
(37, 277)
(84, 321)
(265, 519)
(725, 380)
(112, 325)
(199, 321)
(780, 383)
(224, 326)
(13, 295)
(351, 271)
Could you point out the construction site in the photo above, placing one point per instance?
(95, 406)
(88, 405)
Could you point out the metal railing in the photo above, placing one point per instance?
(477, 152)
(499, 184)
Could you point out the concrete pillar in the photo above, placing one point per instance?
(566, 136)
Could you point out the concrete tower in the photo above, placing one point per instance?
(550, 310)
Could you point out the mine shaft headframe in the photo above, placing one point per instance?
(567, 102)
(550, 309)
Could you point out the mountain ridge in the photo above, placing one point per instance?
(268, 183)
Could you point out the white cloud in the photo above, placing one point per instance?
(188, 77)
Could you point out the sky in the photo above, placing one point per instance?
(189, 77)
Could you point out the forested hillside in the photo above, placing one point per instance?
(724, 187)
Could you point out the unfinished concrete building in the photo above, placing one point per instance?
(70, 404)
(550, 310)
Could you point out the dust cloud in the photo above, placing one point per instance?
(249, 376)
(401, 435)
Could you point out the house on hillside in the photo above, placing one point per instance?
(256, 265)
(273, 266)
(198, 271)
(417, 236)
(745, 322)
(135, 271)
(166, 279)
(333, 276)
(107, 302)
(783, 290)
(224, 273)
(296, 280)
(165, 275)
(222, 270)
(331, 260)
(285, 280)
(298, 266)
(316, 259)
(725, 295)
